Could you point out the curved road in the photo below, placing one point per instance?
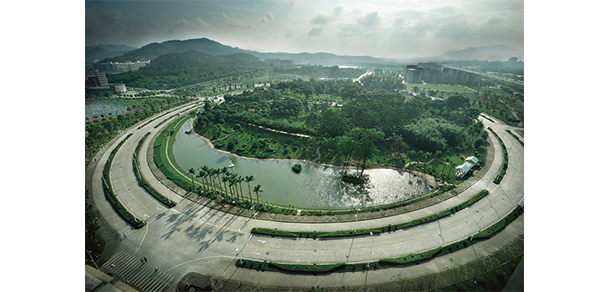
(192, 237)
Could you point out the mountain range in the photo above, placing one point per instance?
(491, 53)
(99, 52)
(154, 50)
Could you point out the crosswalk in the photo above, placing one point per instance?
(141, 276)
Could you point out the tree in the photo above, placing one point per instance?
(201, 175)
(192, 173)
(225, 178)
(365, 146)
(206, 171)
(240, 179)
(91, 225)
(248, 180)
(257, 189)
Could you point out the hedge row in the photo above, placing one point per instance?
(382, 263)
(343, 233)
(438, 191)
(109, 193)
(143, 183)
(516, 137)
(502, 172)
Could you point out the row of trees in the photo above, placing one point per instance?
(213, 179)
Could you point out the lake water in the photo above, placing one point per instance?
(316, 186)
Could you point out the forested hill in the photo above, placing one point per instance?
(180, 69)
(154, 50)
(204, 45)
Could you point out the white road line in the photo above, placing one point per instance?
(204, 258)
(145, 232)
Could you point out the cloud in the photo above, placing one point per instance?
(289, 34)
(270, 16)
(347, 30)
(457, 30)
(196, 23)
(370, 20)
(494, 20)
(315, 31)
(233, 22)
(338, 10)
(320, 19)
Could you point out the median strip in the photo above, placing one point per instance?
(344, 233)
(502, 172)
(143, 183)
(383, 263)
(109, 193)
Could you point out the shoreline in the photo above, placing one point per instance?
(284, 159)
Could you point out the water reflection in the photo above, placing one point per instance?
(315, 187)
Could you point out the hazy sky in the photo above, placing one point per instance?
(389, 29)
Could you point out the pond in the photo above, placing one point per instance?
(316, 186)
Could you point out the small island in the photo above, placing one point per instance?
(296, 168)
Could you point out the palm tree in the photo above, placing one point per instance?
(224, 180)
(257, 189)
(232, 182)
(248, 180)
(207, 173)
(240, 179)
(192, 173)
(201, 175)
(217, 175)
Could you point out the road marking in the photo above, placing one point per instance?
(145, 232)
(271, 248)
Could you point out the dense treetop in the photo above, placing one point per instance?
(333, 109)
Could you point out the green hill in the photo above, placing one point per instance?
(180, 69)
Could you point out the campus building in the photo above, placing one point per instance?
(116, 68)
(464, 168)
(436, 73)
(96, 82)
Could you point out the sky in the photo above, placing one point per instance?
(386, 29)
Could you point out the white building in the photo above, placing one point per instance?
(463, 169)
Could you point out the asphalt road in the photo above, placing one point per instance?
(191, 237)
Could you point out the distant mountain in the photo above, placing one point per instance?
(490, 53)
(154, 50)
(204, 45)
(99, 52)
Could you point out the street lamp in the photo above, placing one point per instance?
(239, 253)
(356, 225)
(475, 229)
(371, 251)
(439, 207)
